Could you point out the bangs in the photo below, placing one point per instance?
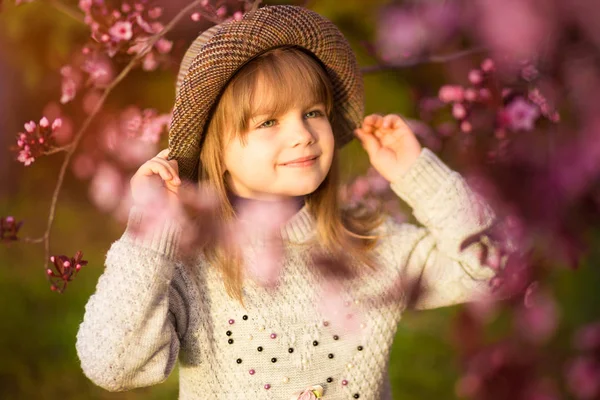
(274, 83)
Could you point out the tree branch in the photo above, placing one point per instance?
(79, 135)
(425, 60)
(68, 11)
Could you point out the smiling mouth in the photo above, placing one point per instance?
(304, 163)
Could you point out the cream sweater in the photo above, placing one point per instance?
(146, 313)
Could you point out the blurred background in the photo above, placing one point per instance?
(505, 91)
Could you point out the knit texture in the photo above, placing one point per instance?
(147, 313)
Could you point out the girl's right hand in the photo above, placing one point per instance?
(156, 174)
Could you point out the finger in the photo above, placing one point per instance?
(369, 142)
(156, 168)
(163, 154)
(172, 187)
(172, 164)
(373, 120)
(173, 169)
(389, 121)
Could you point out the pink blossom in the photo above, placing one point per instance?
(143, 24)
(56, 124)
(466, 126)
(400, 34)
(85, 5)
(149, 62)
(221, 11)
(106, 187)
(470, 94)
(539, 320)
(459, 111)
(44, 123)
(259, 226)
(164, 46)
(588, 337)
(196, 16)
(70, 82)
(523, 37)
(157, 27)
(487, 65)
(100, 70)
(451, 93)
(583, 378)
(529, 73)
(155, 12)
(238, 15)
(25, 157)
(475, 77)
(521, 115)
(332, 306)
(485, 94)
(30, 126)
(359, 189)
(140, 44)
(121, 30)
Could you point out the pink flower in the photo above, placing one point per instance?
(583, 378)
(470, 94)
(30, 126)
(475, 77)
(143, 24)
(106, 187)
(451, 93)
(221, 11)
(25, 157)
(521, 115)
(164, 46)
(121, 30)
(85, 5)
(459, 111)
(149, 63)
(155, 12)
(487, 65)
(312, 393)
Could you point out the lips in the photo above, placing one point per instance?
(300, 160)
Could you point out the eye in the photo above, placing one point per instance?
(267, 124)
(314, 114)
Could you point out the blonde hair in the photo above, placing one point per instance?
(295, 76)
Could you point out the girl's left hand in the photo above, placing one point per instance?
(391, 145)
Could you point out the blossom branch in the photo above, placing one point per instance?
(68, 11)
(433, 59)
(79, 135)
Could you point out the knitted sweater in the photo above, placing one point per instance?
(146, 313)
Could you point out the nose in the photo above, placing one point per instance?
(302, 134)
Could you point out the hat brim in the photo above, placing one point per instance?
(237, 42)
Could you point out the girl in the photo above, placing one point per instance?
(262, 107)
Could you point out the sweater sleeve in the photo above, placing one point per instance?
(449, 212)
(133, 323)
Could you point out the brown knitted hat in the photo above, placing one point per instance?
(219, 52)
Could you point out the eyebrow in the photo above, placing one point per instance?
(264, 112)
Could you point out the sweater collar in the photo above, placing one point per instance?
(298, 228)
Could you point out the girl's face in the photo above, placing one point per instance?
(260, 168)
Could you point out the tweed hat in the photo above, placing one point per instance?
(218, 53)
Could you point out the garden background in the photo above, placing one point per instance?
(37, 338)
